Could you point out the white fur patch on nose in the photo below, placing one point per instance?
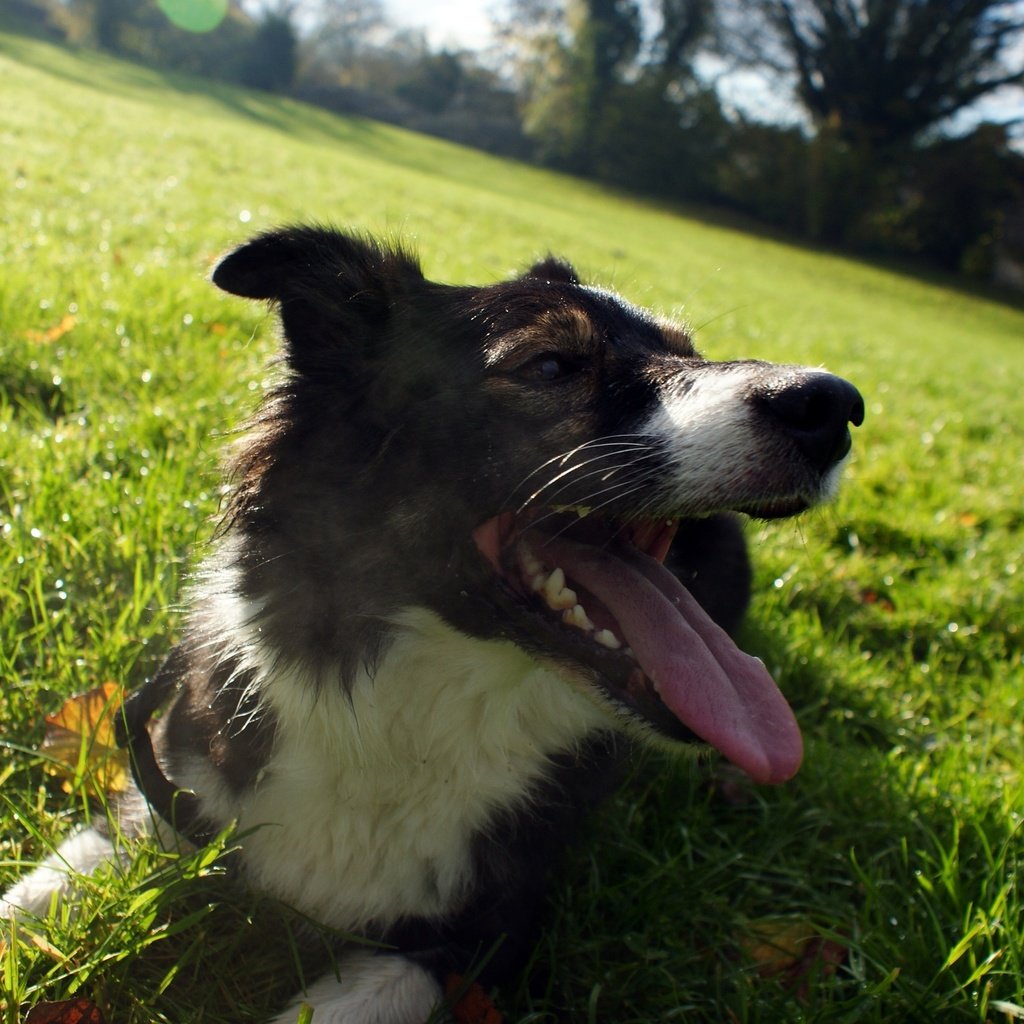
(725, 452)
(708, 431)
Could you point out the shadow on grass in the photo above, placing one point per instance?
(655, 908)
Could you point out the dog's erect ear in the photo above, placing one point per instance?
(551, 268)
(330, 286)
(281, 264)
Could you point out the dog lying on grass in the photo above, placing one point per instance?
(479, 542)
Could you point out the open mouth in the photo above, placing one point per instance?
(591, 592)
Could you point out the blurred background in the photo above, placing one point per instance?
(891, 128)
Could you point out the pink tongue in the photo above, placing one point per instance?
(723, 695)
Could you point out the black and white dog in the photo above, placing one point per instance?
(439, 610)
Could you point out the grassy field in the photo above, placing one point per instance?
(892, 619)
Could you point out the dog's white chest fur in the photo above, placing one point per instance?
(367, 808)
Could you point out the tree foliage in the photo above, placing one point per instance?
(881, 72)
(604, 88)
(272, 55)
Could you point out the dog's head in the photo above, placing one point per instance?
(517, 457)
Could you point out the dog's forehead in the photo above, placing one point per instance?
(675, 336)
(579, 317)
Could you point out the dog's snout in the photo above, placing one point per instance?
(815, 411)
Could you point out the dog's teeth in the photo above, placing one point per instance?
(530, 565)
(576, 616)
(557, 595)
(606, 638)
(556, 581)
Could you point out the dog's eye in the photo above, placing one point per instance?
(549, 366)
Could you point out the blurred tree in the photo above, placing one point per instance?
(344, 31)
(604, 82)
(108, 18)
(433, 82)
(878, 73)
(876, 77)
(606, 39)
(570, 57)
(950, 200)
(272, 54)
(685, 25)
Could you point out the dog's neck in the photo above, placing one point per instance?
(418, 756)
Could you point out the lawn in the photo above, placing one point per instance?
(891, 619)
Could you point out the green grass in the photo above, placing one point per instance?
(892, 619)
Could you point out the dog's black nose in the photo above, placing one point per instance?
(815, 411)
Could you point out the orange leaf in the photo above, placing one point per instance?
(80, 741)
(775, 946)
(474, 1005)
(66, 1011)
(53, 333)
(792, 951)
(869, 596)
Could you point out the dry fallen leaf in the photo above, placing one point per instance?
(869, 596)
(80, 740)
(51, 334)
(66, 1011)
(472, 1004)
(794, 952)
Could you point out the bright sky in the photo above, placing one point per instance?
(465, 23)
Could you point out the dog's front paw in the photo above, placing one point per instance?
(33, 896)
(370, 988)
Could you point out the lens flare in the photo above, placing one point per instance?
(195, 15)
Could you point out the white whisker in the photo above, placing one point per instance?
(615, 497)
(622, 442)
(602, 473)
(573, 474)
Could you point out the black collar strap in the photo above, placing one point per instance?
(178, 807)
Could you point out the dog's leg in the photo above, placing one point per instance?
(54, 879)
(370, 988)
